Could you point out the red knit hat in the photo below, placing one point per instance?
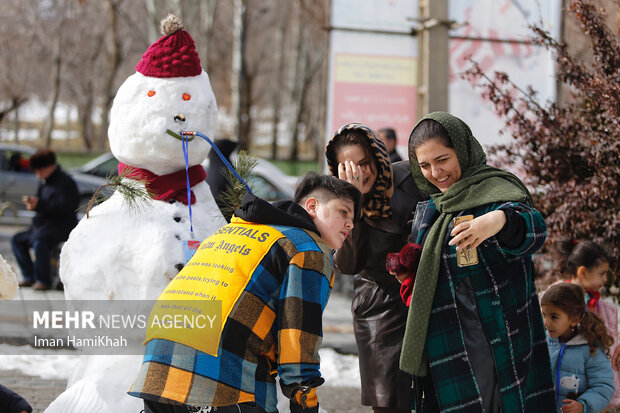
(173, 55)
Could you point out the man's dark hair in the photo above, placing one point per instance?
(328, 187)
(388, 133)
(42, 158)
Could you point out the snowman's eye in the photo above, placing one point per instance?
(186, 96)
(151, 93)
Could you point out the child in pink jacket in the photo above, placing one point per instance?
(587, 264)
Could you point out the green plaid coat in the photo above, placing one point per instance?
(507, 303)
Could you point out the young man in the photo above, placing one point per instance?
(271, 270)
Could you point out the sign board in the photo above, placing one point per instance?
(372, 65)
(496, 35)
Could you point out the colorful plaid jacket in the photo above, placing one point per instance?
(508, 309)
(274, 328)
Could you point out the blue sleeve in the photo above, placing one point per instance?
(303, 297)
(600, 383)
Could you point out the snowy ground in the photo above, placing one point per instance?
(338, 370)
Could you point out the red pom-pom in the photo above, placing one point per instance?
(410, 257)
(392, 263)
(405, 262)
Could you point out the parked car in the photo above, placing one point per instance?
(17, 180)
(102, 166)
(269, 182)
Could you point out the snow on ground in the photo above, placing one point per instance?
(35, 362)
(339, 370)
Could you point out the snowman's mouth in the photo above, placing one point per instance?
(175, 135)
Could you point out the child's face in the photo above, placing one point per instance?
(557, 322)
(594, 278)
(333, 219)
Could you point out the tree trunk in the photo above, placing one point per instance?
(245, 118)
(237, 57)
(85, 110)
(153, 13)
(114, 62)
(85, 113)
(16, 124)
(321, 106)
(207, 10)
(298, 80)
(56, 79)
(279, 75)
(50, 121)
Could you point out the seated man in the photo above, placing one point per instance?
(55, 204)
(271, 270)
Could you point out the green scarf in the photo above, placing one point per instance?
(479, 185)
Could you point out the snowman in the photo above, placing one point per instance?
(121, 253)
(8, 281)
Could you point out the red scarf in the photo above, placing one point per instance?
(166, 187)
(593, 300)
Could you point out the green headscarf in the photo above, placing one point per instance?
(479, 185)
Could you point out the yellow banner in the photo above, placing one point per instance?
(382, 70)
(217, 273)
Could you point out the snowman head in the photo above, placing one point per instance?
(169, 91)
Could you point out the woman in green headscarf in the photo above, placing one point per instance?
(474, 338)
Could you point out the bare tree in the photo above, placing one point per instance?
(57, 47)
(19, 22)
(310, 58)
(206, 14)
(82, 68)
(114, 60)
(283, 6)
(254, 27)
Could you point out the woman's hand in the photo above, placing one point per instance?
(351, 173)
(402, 276)
(470, 234)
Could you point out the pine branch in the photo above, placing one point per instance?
(133, 190)
(235, 190)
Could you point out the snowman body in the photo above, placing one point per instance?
(122, 253)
